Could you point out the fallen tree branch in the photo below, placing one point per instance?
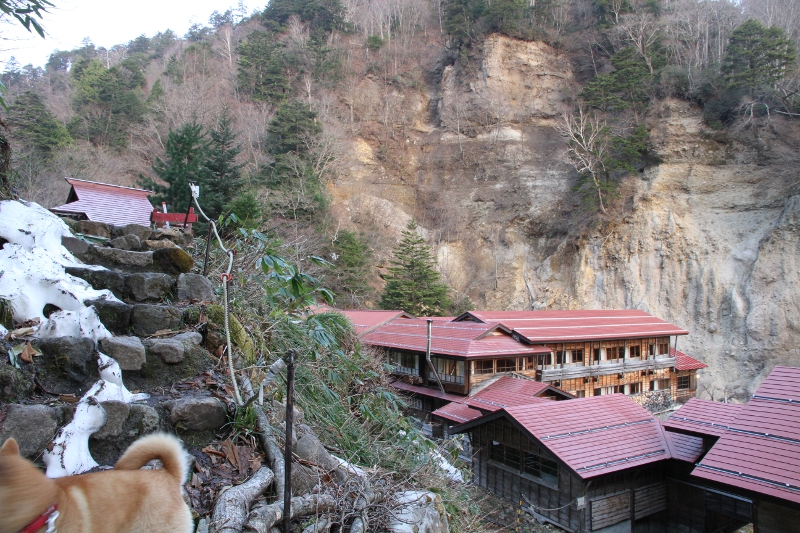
(266, 434)
(230, 510)
(320, 526)
(261, 519)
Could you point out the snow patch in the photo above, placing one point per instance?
(69, 454)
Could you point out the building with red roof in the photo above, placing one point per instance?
(103, 202)
(585, 464)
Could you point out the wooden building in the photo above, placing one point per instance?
(587, 464)
(103, 202)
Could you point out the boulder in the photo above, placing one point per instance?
(73, 357)
(177, 235)
(14, 384)
(149, 286)
(140, 232)
(148, 319)
(99, 278)
(116, 415)
(115, 316)
(195, 287)
(157, 245)
(196, 413)
(77, 247)
(141, 420)
(98, 229)
(127, 351)
(126, 242)
(32, 426)
(172, 260)
(168, 350)
(190, 339)
(123, 259)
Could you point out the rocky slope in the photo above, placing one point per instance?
(707, 238)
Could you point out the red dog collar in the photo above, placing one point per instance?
(48, 517)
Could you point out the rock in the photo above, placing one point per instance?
(71, 356)
(418, 512)
(310, 448)
(98, 229)
(147, 318)
(100, 279)
(157, 245)
(77, 247)
(117, 413)
(168, 350)
(172, 260)
(126, 242)
(127, 351)
(140, 232)
(115, 316)
(195, 287)
(33, 427)
(279, 412)
(123, 259)
(14, 384)
(189, 339)
(157, 373)
(176, 235)
(151, 286)
(70, 222)
(195, 413)
(141, 420)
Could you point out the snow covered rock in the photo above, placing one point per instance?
(69, 453)
(419, 512)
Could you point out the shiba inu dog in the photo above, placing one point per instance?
(123, 500)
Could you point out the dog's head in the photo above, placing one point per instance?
(25, 492)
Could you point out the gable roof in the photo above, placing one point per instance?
(685, 362)
(366, 320)
(457, 412)
(592, 436)
(684, 447)
(577, 325)
(103, 202)
(703, 417)
(509, 391)
(467, 339)
(760, 451)
(425, 391)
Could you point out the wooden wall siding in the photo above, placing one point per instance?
(610, 510)
(649, 500)
(613, 380)
(775, 518)
(550, 501)
(697, 509)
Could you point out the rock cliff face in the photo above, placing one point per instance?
(707, 238)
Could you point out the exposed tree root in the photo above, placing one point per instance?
(230, 510)
(262, 518)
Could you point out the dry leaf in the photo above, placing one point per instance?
(255, 463)
(21, 332)
(202, 319)
(219, 351)
(28, 352)
(69, 398)
(197, 481)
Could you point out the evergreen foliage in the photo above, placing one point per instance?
(352, 266)
(321, 15)
(35, 126)
(223, 179)
(757, 56)
(262, 69)
(625, 88)
(294, 125)
(413, 284)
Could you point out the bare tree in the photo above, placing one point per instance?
(641, 30)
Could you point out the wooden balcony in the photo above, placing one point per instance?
(627, 365)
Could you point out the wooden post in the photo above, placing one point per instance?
(287, 454)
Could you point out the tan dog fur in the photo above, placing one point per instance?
(122, 500)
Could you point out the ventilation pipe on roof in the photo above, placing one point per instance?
(428, 357)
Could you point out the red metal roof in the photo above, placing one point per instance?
(685, 362)
(508, 391)
(425, 391)
(465, 339)
(578, 325)
(365, 320)
(761, 449)
(684, 447)
(112, 204)
(703, 417)
(457, 412)
(592, 436)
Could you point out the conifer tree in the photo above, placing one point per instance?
(35, 126)
(224, 178)
(413, 284)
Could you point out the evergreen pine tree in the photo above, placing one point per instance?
(34, 125)
(224, 178)
(183, 162)
(413, 284)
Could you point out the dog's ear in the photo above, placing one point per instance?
(10, 448)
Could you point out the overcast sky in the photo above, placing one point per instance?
(106, 23)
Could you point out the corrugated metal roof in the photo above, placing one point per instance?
(365, 320)
(578, 325)
(684, 447)
(457, 412)
(466, 339)
(425, 391)
(508, 391)
(685, 362)
(592, 436)
(703, 417)
(112, 204)
(761, 449)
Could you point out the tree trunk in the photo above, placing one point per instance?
(262, 518)
(230, 511)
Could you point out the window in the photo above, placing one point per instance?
(559, 357)
(598, 392)
(634, 351)
(505, 454)
(527, 363)
(450, 370)
(615, 352)
(415, 403)
(506, 365)
(687, 382)
(541, 467)
(484, 367)
(577, 356)
(659, 384)
(579, 393)
(634, 388)
(404, 363)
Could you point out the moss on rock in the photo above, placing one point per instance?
(173, 260)
(239, 336)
